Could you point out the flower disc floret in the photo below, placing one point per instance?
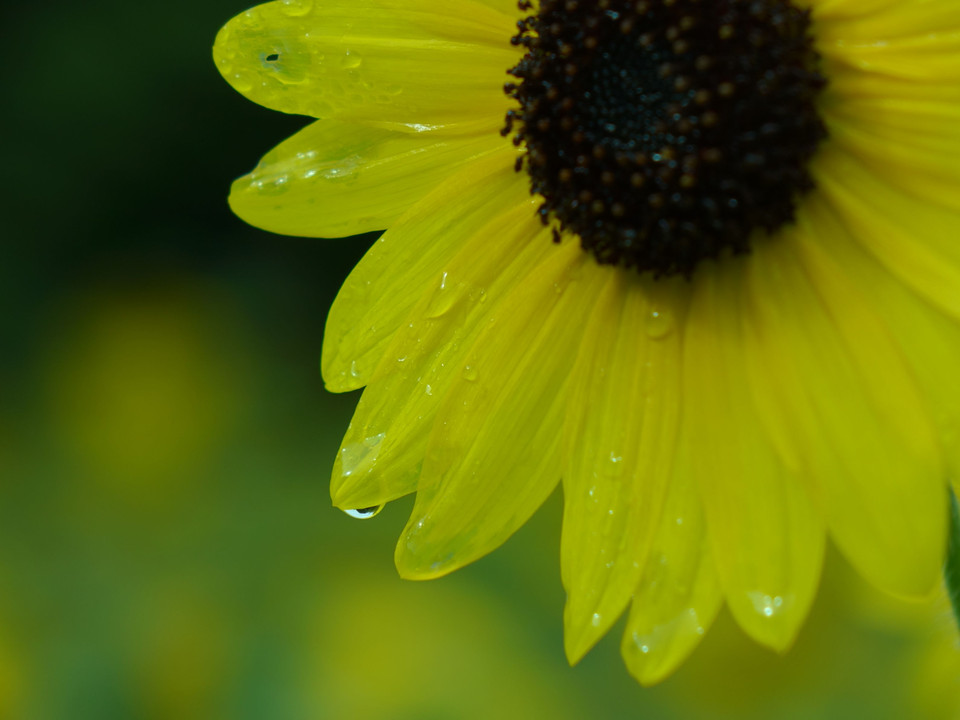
(662, 133)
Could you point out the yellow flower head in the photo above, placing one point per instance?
(698, 259)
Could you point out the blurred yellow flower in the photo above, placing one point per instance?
(141, 395)
(726, 318)
(421, 659)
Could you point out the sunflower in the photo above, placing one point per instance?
(697, 260)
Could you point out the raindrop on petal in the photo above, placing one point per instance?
(364, 513)
(659, 324)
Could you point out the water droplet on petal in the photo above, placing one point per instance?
(350, 59)
(469, 372)
(242, 82)
(364, 513)
(683, 623)
(296, 8)
(443, 298)
(360, 457)
(613, 465)
(595, 620)
(766, 605)
(271, 185)
(342, 168)
(659, 324)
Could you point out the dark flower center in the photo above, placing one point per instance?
(663, 132)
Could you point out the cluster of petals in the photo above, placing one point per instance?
(709, 433)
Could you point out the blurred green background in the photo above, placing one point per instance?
(167, 545)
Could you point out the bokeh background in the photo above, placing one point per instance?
(167, 545)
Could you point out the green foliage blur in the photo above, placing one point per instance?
(167, 545)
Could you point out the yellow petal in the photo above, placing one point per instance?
(834, 388)
(494, 454)
(507, 7)
(767, 537)
(831, 11)
(333, 179)
(620, 439)
(389, 280)
(914, 146)
(386, 442)
(886, 27)
(405, 62)
(928, 340)
(915, 240)
(888, 51)
(678, 596)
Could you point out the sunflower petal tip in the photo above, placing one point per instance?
(646, 670)
(574, 650)
(581, 632)
(340, 371)
(413, 565)
(655, 645)
(770, 621)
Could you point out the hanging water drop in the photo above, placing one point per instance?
(364, 513)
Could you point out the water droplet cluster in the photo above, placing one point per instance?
(662, 133)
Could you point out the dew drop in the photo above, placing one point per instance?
(766, 605)
(360, 457)
(242, 82)
(344, 168)
(612, 465)
(296, 8)
(275, 185)
(420, 127)
(350, 60)
(645, 643)
(659, 324)
(595, 620)
(442, 300)
(364, 513)
(469, 372)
